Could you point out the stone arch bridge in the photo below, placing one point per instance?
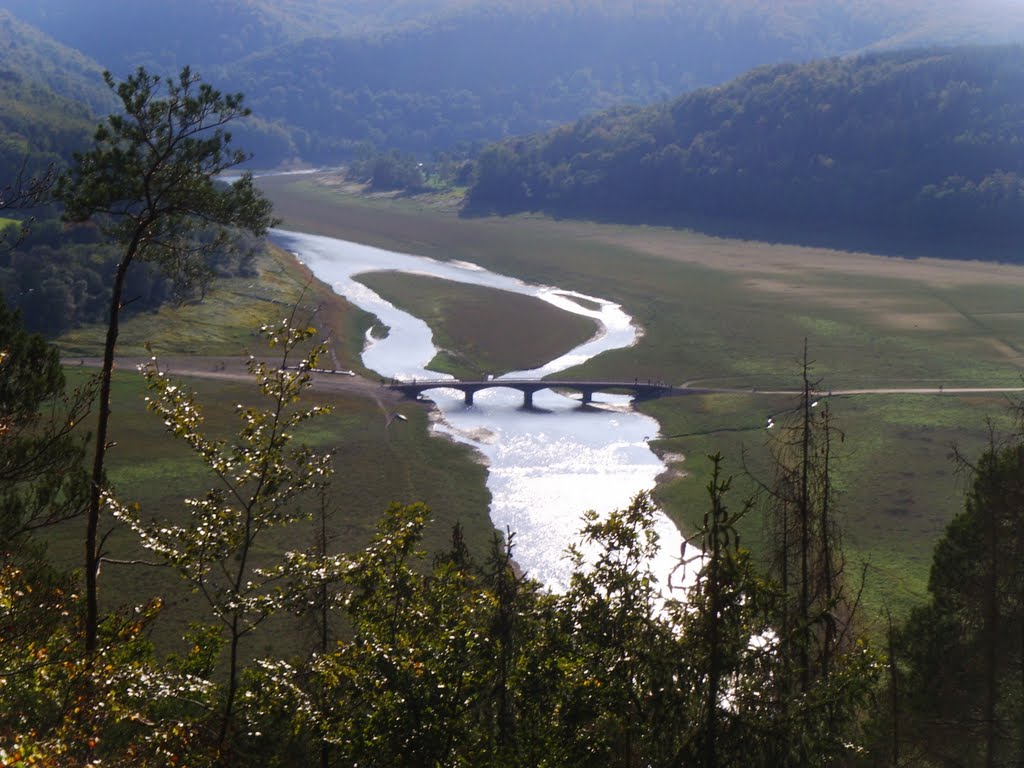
(641, 390)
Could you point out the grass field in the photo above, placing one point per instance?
(481, 330)
(736, 313)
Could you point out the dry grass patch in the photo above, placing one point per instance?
(923, 321)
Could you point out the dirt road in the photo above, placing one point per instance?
(234, 369)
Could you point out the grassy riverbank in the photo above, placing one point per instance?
(736, 313)
(225, 322)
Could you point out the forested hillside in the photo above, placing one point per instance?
(40, 59)
(466, 79)
(57, 276)
(426, 75)
(913, 144)
(37, 127)
(205, 33)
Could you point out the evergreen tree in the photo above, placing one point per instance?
(42, 481)
(150, 182)
(816, 630)
(964, 649)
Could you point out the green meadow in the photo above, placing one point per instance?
(736, 314)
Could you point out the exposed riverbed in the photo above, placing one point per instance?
(546, 465)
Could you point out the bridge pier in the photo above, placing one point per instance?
(588, 396)
(469, 397)
(527, 398)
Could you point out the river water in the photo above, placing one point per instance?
(547, 465)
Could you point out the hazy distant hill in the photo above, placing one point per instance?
(39, 58)
(124, 34)
(37, 127)
(422, 75)
(496, 71)
(910, 146)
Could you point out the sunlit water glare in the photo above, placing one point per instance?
(546, 466)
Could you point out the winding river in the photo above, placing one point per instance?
(547, 465)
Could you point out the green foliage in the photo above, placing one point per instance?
(59, 279)
(149, 182)
(962, 651)
(461, 663)
(918, 144)
(38, 128)
(51, 66)
(420, 75)
(383, 171)
(150, 176)
(41, 478)
(261, 477)
(61, 705)
(462, 78)
(453, 662)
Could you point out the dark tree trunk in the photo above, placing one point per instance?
(92, 553)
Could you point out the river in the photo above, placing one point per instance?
(546, 466)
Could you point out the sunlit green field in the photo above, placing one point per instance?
(737, 314)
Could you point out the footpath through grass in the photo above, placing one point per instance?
(737, 314)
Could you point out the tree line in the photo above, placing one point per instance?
(912, 146)
(59, 277)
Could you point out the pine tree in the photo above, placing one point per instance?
(150, 183)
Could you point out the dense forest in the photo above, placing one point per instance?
(431, 88)
(43, 62)
(38, 128)
(426, 75)
(911, 145)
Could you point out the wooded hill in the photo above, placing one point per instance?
(37, 127)
(40, 59)
(425, 75)
(915, 145)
